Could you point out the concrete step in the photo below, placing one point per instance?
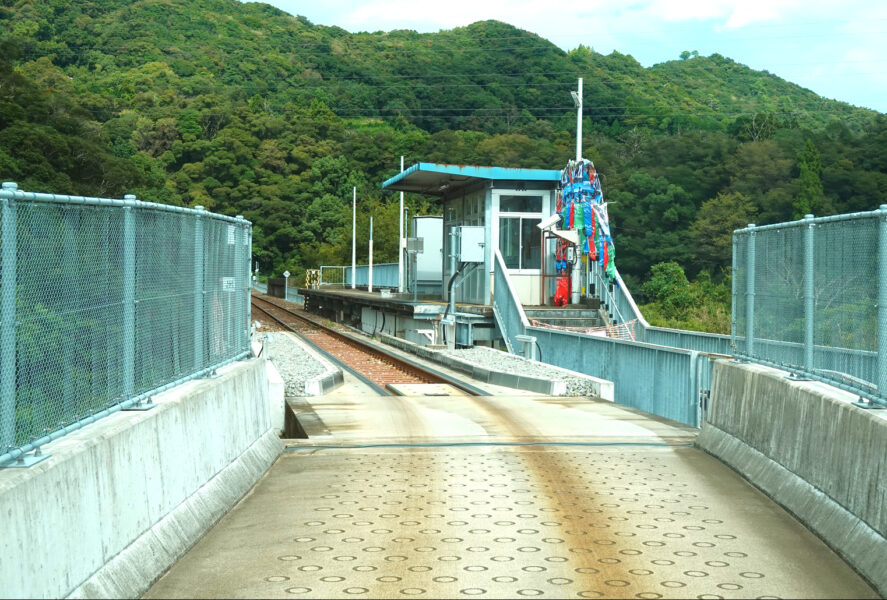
(583, 322)
(562, 313)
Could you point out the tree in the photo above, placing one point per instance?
(810, 196)
(668, 286)
(712, 231)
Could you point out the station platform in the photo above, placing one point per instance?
(400, 315)
(401, 303)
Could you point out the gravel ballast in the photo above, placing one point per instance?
(294, 362)
(496, 360)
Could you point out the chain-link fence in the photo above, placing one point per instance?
(105, 302)
(811, 297)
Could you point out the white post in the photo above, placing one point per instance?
(577, 274)
(354, 238)
(286, 285)
(400, 242)
(579, 124)
(370, 284)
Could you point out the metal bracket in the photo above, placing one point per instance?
(867, 404)
(796, 377)
(211, 375)
(142, 405)
(26, 460)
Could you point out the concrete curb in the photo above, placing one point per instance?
(321, 384)
(132, 572)
(847, 534)
(548, 387)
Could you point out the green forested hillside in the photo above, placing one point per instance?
(247, 110)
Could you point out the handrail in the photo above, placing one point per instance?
(10, 191)
(500, 264)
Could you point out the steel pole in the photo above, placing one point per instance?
(579, 124)
(809, 299)
(370, 274)
(733, 291)
(199, 318)
(354, 238)
(400, 242)
(750, 292)
(7, 321)
(882, 302)
(129, 296)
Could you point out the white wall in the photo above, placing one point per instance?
(528, 288)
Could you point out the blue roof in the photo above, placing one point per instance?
(437, 178)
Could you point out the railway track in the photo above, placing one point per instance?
(375, 367)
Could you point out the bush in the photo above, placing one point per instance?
(702, 305)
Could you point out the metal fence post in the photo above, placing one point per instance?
(882, 301)
(750, 292)
(808, 293)
(248, 233)
(733, 292)
(199, 257)
(129, 296)
(241, 261)
(7, 322)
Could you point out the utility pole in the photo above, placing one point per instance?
(576, 277)
(354, 238)
(577, 100)
(400, 242)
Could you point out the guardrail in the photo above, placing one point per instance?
(810, 297)
(618, 301)
(384, 275)
(507, 309)
(106, 302)
(662, 380)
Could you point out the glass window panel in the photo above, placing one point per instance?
(531, 238)
(509, 242)
(531, 204)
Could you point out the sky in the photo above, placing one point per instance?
(836, 48)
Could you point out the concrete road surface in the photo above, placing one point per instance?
(514, 496)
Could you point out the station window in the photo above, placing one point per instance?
(520, 242)
(520, 204)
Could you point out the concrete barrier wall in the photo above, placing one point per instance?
(805, 445)
(121, 500)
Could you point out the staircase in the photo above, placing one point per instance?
(580, 316)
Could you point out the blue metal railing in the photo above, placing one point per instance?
(662, 380)
(507, 309)
(384, 275)
(618, 301)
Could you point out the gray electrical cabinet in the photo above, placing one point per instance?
(472, 245)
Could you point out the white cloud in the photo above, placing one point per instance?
(757, 11)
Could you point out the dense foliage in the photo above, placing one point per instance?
(246, 110)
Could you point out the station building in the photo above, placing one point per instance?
(484, 208)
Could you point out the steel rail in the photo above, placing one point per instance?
(333, 359)
(419, 369)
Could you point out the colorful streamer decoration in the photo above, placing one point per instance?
(582, 207)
